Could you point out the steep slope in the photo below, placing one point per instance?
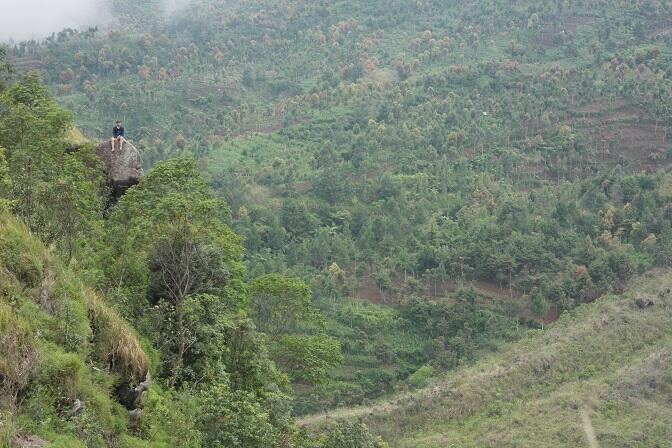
(63, 352)
(604, 368)
(387, 149)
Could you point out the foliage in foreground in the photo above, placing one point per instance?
(163, 260)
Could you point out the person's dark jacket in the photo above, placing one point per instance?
(117, 132)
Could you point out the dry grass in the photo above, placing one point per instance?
(114, 342)
(20, 254)
(18, 357)
(609, 356)
(24, 258)
(75, 136)
(6, 428)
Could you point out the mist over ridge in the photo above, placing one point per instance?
(37, 19)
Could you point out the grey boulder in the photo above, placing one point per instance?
(123, 165)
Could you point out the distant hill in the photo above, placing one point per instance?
(602, 368)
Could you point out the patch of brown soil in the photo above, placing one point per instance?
(27, 441)
(544, 39)
(440, 289)
(636, 141)
(622, 132)
(546, 36)
(27, 63)
(497, 291)
(655, 26)
(627, 113)
(371, 293)
(552, 315)
(602, 105)
(572, 23)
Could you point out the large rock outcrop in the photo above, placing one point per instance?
(123, 166)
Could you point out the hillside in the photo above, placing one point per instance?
(392, 151)
(602, 368)
(343, 200)
(63, 353)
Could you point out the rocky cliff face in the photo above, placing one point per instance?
(123, 166)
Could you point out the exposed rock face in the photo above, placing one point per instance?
(123, 166)
(26, 441)
(644, 302)
(131, 397)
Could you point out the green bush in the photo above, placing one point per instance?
(70, 324)
(62, 373)
(422, 377)
(347, 434)
(235, 419)
(168, 421)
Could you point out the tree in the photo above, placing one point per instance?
(540, 307)
(182, 266)
(183, 251)
(231, 418)
(280, 304)
(6, 69)
(297, 219)
(331, 186)
(73, 200)
(5, 183)
(58, 193)
(282, 308)
(308, 358)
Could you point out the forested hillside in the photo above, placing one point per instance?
(365, 195)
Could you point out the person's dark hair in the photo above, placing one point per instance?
(118, 121)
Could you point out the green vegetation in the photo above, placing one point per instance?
(162, 260)
(609, 360)
(60, 344)
(343, 201)
(394, 151)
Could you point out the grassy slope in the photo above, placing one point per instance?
(59, 343)
(608, 363)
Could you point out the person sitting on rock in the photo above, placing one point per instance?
(117, 135)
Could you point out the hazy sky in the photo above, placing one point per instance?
(25, 19)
